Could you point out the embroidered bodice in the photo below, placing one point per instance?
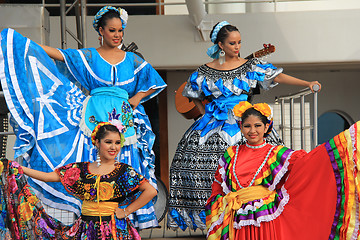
(115, 186)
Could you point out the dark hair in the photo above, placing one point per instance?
(103, 130)
(107, 16)
(223, 33)
(256, 113)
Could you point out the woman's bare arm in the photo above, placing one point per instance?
(199, 105)
(287, 79)
(42, 176)
(53, 53)
(148, 193)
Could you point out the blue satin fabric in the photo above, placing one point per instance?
(218, 108)
(178, 219)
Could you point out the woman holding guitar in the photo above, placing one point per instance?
(224, 82)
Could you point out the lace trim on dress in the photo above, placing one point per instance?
(266, 218)
(227, 75)
(281, 173)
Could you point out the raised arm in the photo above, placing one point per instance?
(42, 176)
(287, 79)
(53, 52)
(148, 193)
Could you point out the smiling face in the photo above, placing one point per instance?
(232, 44)
(109, 146)
(254, 129)
(112, 32)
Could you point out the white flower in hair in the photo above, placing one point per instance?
(124, 16)
(270, 117)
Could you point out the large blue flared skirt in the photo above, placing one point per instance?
(47, 109)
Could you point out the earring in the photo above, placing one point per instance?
(221, 57)
(116, 160)
(102, 40)
(98, 160)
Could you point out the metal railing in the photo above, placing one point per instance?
(314, 126)
(80, 7)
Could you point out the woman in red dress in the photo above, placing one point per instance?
(273, 193)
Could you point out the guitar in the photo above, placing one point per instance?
(187, 107)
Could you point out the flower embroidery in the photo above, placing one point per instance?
(26, 211)
(106, 191)
(114, 120)
(71, 175)
(118, 124)
(113, 115)
(33, 200)
(87, 187)
(126, 108)
(87, 196)
(131, 181)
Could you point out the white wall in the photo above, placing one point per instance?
(300, 37)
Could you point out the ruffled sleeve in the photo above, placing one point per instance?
(264, 73)
(193, 88)
(129, 180)
(206, 81)
(146, 77)
(70, 178)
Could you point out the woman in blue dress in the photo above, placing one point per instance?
(55, 107)
(226, 81)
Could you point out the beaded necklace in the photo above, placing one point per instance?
(259, 169)
(255, 147)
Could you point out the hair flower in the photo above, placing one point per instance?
(263, 108)
(96, 129)
(241, 107)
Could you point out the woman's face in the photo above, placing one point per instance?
(232, 44)
(254, 129)
(109, 146)
(112, 32)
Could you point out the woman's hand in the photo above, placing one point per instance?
(121, 213)
(312, 84)
(148, 192)
(135, 101)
